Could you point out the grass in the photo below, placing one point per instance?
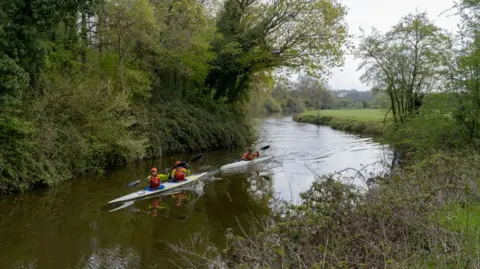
(361, 121)
(463, 219)
(363, 115)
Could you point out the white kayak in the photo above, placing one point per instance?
(164, 187)
(242, 163)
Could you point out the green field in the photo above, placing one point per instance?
(364, 115)
(363, 121)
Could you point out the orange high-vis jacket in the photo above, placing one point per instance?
(250, 156)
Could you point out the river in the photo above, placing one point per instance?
(70, 226)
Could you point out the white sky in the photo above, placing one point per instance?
(383, 14)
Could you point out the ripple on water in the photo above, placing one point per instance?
(322, 149)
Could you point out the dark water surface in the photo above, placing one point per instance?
(70, 226)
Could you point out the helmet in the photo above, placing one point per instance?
(179, 175)
(154, 170)
(178, 162)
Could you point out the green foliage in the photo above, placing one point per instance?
(77, 102)
(90, 84)
(406, 62)
(178, 126)
(435, 127)
(284, 97)
(259, 36)
(83, 120)
(25, 24)
(380, 100)
(464, 67)
(404, 219)
(272, 106)
(15, 132)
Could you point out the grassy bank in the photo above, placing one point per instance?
(360, 121)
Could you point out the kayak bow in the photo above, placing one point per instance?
(164, 187)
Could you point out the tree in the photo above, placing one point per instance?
(260, 36)
(465, 68)
(407, 61)
(183, 60)
(380, 100)
(313, 92)
(131, 30)
(25, 24)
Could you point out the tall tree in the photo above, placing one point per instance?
(258, 36)
(313, 92)
(465, 67)
(406, 62)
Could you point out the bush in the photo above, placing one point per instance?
(82, 125)
(179, 126)
(272, 106)
(395, 223)
(433, 128)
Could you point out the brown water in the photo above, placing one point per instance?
(70, 226)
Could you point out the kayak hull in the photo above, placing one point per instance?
(243, 164)
(167, 186)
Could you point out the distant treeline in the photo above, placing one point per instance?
(309, 93)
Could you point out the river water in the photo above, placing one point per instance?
(71, 226)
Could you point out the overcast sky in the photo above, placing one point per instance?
(383, 14)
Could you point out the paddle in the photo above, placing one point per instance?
(196, 158)
(133, 183)
(193, 160)
(266, 147)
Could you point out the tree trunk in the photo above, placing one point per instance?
(84, 37)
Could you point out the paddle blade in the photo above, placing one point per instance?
(199, 156)
(266, 147)
(133, 183)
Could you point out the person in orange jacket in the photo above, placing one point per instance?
(155, 179)
(249, 155)
(180, 172)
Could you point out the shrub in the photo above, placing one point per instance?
(395, 223)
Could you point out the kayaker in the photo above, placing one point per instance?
(249, 155)
(180, 171)
(155, 179)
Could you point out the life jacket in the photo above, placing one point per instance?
(155, 182)
(179, 173)
(250, 156)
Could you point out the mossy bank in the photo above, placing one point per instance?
(360, 121)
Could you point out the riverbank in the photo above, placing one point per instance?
(359, 121)
(90, 138)
(421, 214)
(413, 217)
